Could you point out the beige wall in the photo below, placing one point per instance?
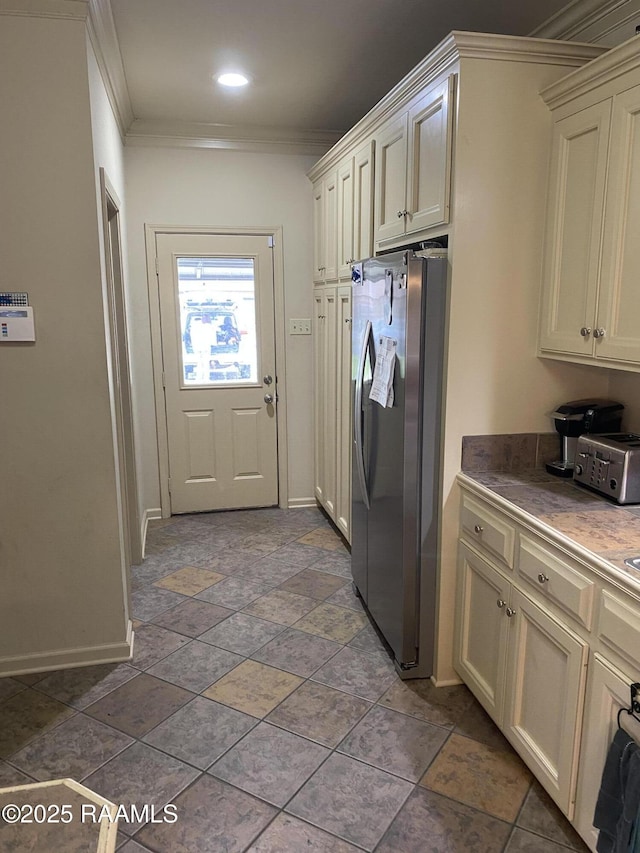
(62, 597)
(208, 187)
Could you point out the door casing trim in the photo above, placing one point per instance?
(153, 286)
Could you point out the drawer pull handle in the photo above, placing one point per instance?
(501, 603)
(510, 612)
(542, 578)
(478, 529)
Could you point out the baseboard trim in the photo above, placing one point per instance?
(147, 516)
(69, 658)
(294, 503)
(446, 682)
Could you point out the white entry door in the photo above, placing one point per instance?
(218, 348)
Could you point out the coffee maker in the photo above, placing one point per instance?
(577, 418)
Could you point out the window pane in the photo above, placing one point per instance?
(217, 321)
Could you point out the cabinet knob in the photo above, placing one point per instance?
(348, 320)
(510, 612)
(501, 602)
(400, 214)
(478, 529)
(585, 331)
(542, 578)
(599, 333)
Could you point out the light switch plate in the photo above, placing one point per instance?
(300, 327)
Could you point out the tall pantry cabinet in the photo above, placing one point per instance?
(461, 148)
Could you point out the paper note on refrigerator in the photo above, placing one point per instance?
(382, 384)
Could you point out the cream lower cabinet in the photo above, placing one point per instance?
(525, 668)
(332, 372)
(590, 298)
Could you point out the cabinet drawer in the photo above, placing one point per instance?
(556, 581)
(486, 529)
(619, 626)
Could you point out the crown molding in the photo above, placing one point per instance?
(104, 40)
(233, 137)
(445, 58)
(612, 64)
(75, 10)
(578, 17)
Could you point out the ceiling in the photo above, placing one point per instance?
(316, 67)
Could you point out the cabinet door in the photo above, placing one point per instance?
(607, 692)
(429, 174)
(619, 298)
(481, 631)
(329, 400)
(363, 202)
(345, 219)
(574, 227)
(318, 392)
(391, 179)
(343, 454)
(330, 191)
(318, 232)
(545, 686)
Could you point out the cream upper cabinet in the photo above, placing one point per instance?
(590, 298)
(413, 168)
(618, 315)
(363, 170)
(325, 228)
(574, 226)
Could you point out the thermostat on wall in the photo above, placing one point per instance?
(16, 324)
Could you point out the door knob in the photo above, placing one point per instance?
(267, 379)
(268, 398)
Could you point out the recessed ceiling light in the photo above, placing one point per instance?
(232, 79)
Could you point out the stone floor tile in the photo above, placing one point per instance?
(192, 617)
(522, 841)
(189, 580)
(84, 685)
(360, 673)
(141, 775)
(480, 776)
(335, 563)
(242, 634)
(478, 725)
(195, 666)
(253, 688)
(319, 713)
(149, 602)
(270, 763)
(214, 817)
(200, 732)
(298, 554)
(351, 800)
(368, 640)
(72, 750)
(315, 584)
(268, 570)
(9, 687)
(418, 698)
(287, 833)
(139, 705)
(346, 597)
(234, 592)
(153, 643)
(132, 847)
(325, 538)
(333, 623)
(11, 776)
(30, 678)
(25, 716)
(297, 652)
(450, 827)
(540, 815)
(280, 606)
(394, 742)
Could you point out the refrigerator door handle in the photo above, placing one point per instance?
(358, 425)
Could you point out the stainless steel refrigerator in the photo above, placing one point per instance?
(398, 309)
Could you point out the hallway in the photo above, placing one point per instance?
(263, 704)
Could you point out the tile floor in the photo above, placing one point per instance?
(262, 703)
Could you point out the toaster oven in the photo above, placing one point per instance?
(610, 464)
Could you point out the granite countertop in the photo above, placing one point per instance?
(604, 528)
